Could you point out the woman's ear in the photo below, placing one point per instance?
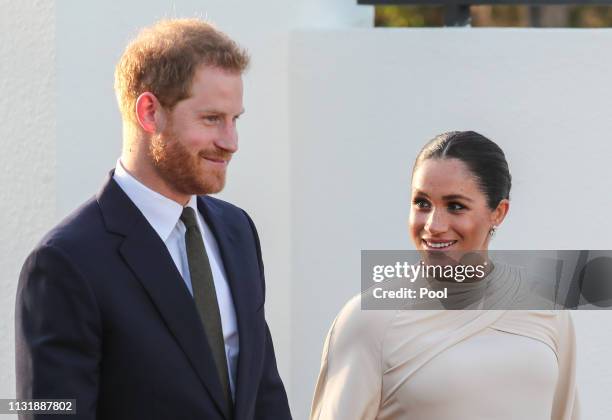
(499, 214)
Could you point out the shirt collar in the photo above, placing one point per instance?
(161, 212)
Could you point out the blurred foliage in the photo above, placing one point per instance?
(521, 16)
(414, 16)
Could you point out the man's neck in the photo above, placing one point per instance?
(146, 174)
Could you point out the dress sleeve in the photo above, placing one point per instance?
(566, 405)
(349, 384)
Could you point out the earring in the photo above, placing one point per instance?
(492, 230)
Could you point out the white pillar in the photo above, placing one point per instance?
(28, 159)
(334, 14)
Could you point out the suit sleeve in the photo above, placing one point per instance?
(57, 334)
(271, 400)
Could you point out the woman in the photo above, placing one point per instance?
(459, 365)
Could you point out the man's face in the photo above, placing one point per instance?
(193, 150)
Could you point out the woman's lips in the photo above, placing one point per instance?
(438, 244)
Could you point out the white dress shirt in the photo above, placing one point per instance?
(163, 214)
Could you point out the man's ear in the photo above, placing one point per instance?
(499, 214)
(149, 113)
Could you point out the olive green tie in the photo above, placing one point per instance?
(205, 296)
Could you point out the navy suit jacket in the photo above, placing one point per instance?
(103, 316)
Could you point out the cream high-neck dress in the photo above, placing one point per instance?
(447, 365)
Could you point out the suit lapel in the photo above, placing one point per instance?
(230, 253)
(149, 259)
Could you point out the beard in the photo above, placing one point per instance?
(186, 172)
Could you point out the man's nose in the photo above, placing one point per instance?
(228, 137)
(437, 222)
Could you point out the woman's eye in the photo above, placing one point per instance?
(456, 206)
(421, 204)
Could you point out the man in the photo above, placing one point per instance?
(147, 302)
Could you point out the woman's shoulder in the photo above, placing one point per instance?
(354, 325)
(550, 317)
(349, 384)
(554, 327)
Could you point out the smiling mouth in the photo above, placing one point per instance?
(216, 160)
(438, 244)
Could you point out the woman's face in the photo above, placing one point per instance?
(449, 212)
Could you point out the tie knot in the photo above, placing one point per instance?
(189, 218)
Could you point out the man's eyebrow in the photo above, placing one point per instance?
(215, 111)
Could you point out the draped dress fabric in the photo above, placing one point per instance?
(447, 364)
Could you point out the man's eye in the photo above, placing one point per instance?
(212, 119)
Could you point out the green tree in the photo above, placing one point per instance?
(522, 16)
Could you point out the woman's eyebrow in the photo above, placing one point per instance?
(456, 197)
(447, 197)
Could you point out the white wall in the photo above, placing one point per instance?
(363, 103)
(62, 131)
(334, 120)
(27, 152)
(91, 37)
